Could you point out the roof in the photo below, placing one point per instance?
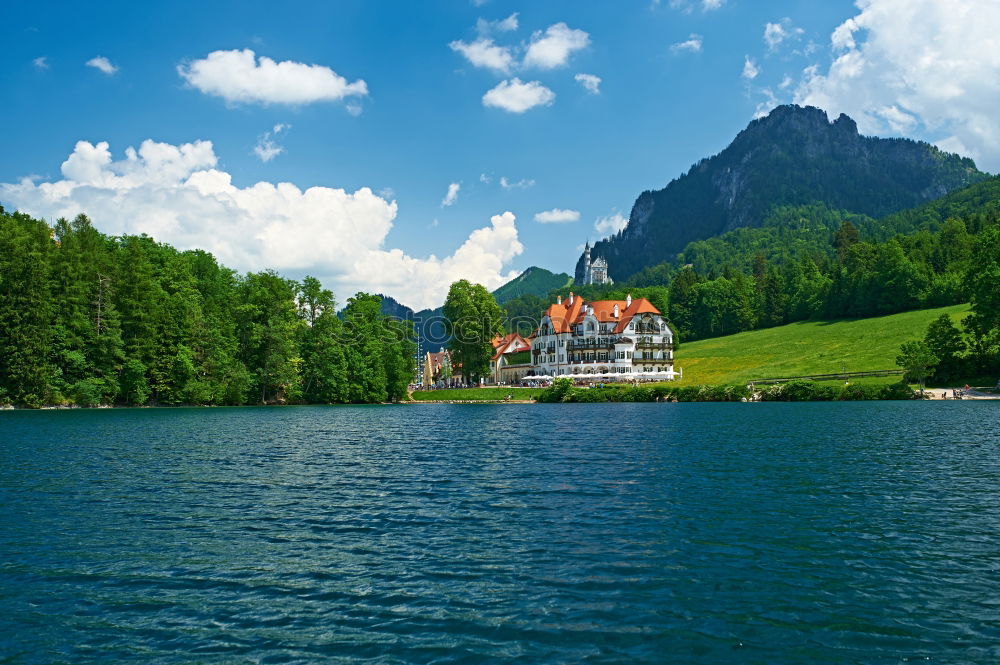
(565, 315)
(511, 343)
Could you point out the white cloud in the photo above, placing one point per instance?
(590, 82)
(786, 82)
(178, 195)
(238, 76)
(509, 24)
(687, 6)
(750, 69)
(775, 33)
(523, 183)
(557, 216)
(484, 53)
(452, 195)
(103, 64)
(613, 223)
(267, 148)
(40, 62)
(485, 179)
(553, 47)
(353, 108)
(515, 96)
(766, 105)
(917, 66)
(691, 45)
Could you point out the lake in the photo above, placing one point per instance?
(864, 532)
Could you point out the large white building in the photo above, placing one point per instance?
(627, 337)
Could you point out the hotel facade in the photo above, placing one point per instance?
(626, 338)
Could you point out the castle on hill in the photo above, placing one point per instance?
(595, 271)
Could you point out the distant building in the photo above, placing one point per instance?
(511, 359)
(627, 337)
(438, 370)
(595, 271)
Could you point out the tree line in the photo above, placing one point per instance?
(91, 319)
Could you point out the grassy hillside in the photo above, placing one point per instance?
(811, 347)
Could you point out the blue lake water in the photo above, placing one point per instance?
(606, 533)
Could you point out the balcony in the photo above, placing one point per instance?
(592, 343)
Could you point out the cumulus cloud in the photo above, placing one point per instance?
(178, 195)
(610, 224)
(452, 194)
(238, 76)
(775, 33)
(485, 53)
(485, 179)
(102, 64)
(552, 48)
(40, 62)
(267, 147)
(514, 96)
(691, 45)
(917, 66)
(557, 216)
(591, 83)
(750, 69)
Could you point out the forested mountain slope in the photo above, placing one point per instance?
(794, 156)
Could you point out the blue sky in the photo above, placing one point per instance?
(380, 95)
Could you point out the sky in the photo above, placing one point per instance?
(395, 147)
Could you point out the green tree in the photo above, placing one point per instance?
(846, 236)
(269, 326)
(472, 318)
(25, 310)
(364, 337)
(324, 371)
(983, 279)
(917, 359)
(945, 342)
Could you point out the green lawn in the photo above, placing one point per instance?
(474, 394)
(812, 347)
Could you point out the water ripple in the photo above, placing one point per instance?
(701, 533)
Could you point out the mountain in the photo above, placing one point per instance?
(392, 307)
(533, 281)
(794, 156)
(429, 323)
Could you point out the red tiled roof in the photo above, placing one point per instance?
(564, 315)
(511, 343)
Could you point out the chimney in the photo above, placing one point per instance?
(558, 300)
(616, 310)
(628, 302)
(570, 297)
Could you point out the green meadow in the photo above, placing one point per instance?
(806, 348)
(475, 394)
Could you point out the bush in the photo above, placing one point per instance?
(557, 392)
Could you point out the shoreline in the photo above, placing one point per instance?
(703, 394)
